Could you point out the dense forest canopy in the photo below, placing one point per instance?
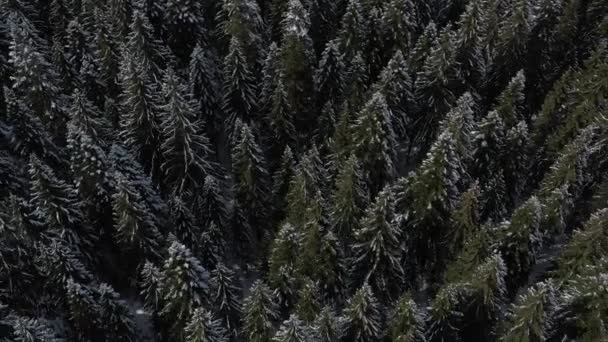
(303, 170)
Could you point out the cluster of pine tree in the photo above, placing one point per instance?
(303, 170)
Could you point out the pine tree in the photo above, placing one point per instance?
(437, 83)
(141, 45)
(151, 277)
(349, 200)
(250, 185)
(363, 317)
(329, 75)
(377, 250)
(186, 150)
(239, 88)
(204, 83)
(308, 305)
(407, 324)
(293, 330)
(226, 297)
(581, 306)
(282, 262)
(422, 48)
(202, 327)
(184, 286)
(396, 86)
(328, 326)
(259, 310)
(510, 104)
(34, 75)
(140, 119)
(270, 77)
(26, 133)
(135, 227)
(527, 318)
(356, 84)
(375, 142)
(58, 207)
(586, 247)
(401, 25)
(296, 65)
(25, 329)
(240, 20)
(281, 117)
(519, 241)
(471, 51)
(353, 35)
(185, 228)
(281, 180)
(510, 49)
(465, 218)
(117, 321)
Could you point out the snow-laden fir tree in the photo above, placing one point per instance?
(519, 241)
(465, 218)
(140, 115)
(353, 34)
(297, 63)
(363, 317)
(581, 306)
(282, 263)
(184, 286)
(349, 200)
(225, 294)
(374, 142)
(377, 248)
(24, 131)
(471, 51)
(329, 75)
(203, 327)
(308, 305)
(422, 48)
(186, 152)
(259, 313)
(396, 85)
(328, 326)
(280, 184)
(241, 20)
(239, 87)
(34, 76)
(400, 22)
(204, 83)
(135, 228)
(281, 117)
(586, 247)
(510, 103)
(527, 319)
(407, 323)
(437, 83)
(24, 329)
(58, 207)
(250, 186)
(293, 330)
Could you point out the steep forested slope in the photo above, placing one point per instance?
(303, 170)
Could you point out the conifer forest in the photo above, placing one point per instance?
(303, 170)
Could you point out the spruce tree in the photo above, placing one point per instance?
(239, 89)
(140, 119)
(187, 155)
(225, 294)
(296, 65)
(375, 142)
(363, 317)
(527, 318)
(250, 186)
(349, 199)
(24, 329)
(328, 326)
(329, 75)
(293, 330)
(259, 313)
(184, 286)
(202, 327)
(377, 250)
(407, 324)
